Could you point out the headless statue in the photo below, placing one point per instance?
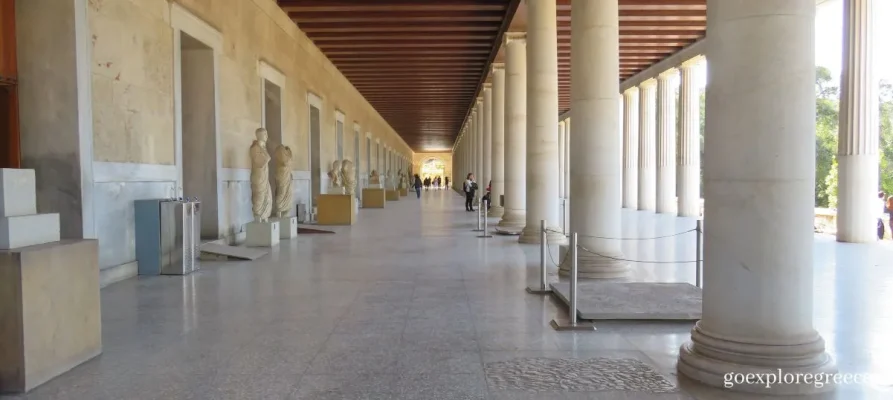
(261, 193)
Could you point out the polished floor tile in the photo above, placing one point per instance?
(410, 304)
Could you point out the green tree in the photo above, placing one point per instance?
(827, 115)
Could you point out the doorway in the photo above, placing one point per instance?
(315, 170)
(356, 158)
(198, 119)
(272, 117)
(10, 150)
(368, 155)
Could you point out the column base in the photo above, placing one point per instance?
(513, 219)
(591, 266)
(717, 362)
(496, 212)
(531, 235)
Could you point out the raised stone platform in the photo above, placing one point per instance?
(634, 300)
(49, 311)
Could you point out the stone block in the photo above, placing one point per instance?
(262, 234)
(288, 227)
(404, 192)
(18, 192)
(336, 209)
(49, 312)
(28, 230)
(392, 195)
(373, 198)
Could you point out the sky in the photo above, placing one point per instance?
(829, 39)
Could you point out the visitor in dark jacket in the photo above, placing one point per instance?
(469, 187)
(417, 184)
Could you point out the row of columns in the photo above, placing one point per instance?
(759, 165)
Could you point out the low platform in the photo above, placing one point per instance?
(222, 252)
(508, 231)
(634, 300)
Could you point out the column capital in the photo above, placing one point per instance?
(479, 101)
(668, 74)
(648, 83)
(497, 67)
(515, 37)
(691, 62)
(488, 85)
(631, 91)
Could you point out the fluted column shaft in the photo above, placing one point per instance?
(515, 216)
(595, 163)
(689, 165)
(542, 122)
(561, 158)
(858, 205)
(479, 127)
(487, 129)
(498, 148)
(759, 194)
(666, 143)
(631, 148)
(647, 145)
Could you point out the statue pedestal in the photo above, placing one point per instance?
(335, 190)
(375, 185)
(392, 195)
(336, 209)
(262, 234)
(373, 198)
(288, 227)
(404, 192)
(49, 311)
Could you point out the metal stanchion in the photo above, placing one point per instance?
(543, 288)
(479, 229)
(699, 270)
(572, 324)
(485, 205)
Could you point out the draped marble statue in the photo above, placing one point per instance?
(403, 180)
(261, 193)
(282, 161)
(335, 178)
(349, 177)
(374, 179)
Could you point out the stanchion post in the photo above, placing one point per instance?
(699, 271)
(543, 288)
(479, 229)
(486, 205)
(572, 324)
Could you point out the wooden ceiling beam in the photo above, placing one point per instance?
(321, 37)
(312, 29)
(351, 17)
(403, 44)
(389, 5)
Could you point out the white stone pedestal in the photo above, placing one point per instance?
(262, 234)
(335, 190)
(28, 230)
(18, 192)
(288, 227)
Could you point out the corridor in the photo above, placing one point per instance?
(410, 304)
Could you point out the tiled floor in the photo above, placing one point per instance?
(410, 304)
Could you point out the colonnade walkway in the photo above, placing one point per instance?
(410, 304)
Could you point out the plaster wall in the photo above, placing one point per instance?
(134, 150)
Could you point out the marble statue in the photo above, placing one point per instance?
(335, 179)
(349, 177)
(403, 180)
(261, 193)
(282, 158)
(389, 179)
(374, 178)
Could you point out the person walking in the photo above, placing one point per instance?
(882, 197)
(469, 187)
(447, 181)
(417, 185)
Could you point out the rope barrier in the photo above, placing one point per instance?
(551, 258)
(635, 261)
(608, 238)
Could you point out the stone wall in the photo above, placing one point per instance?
(134, 110)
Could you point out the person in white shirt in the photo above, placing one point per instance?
(469, 187)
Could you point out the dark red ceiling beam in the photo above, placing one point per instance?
(349, 17)
(391, 5)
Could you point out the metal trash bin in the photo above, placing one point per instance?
(168, 235)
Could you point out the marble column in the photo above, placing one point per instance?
(666, 143)
(858, 206)
(561, 157)
(567, 160)
(498, 148)
(515, 216)
(595, 163)
(647, 144)
(689, 168)
(487, 129)
(542, 122)
(759, 184)
(631, 148)
(479, 149)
